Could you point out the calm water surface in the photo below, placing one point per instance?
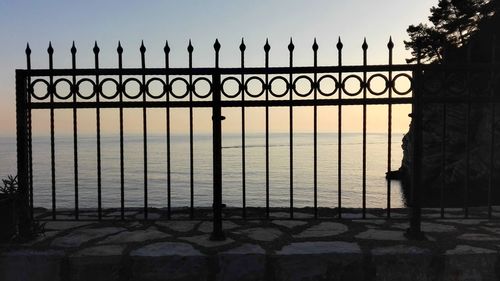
(232, 170)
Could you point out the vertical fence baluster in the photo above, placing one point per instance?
(119, 50)
(30, 133)
(243, 148)
(144, 128)
(267, 48)
(50, 51)
(191, 160)
(217, 118)
(166, 50)
(315, 113)
(290, 81)
(492, 138)
(98, 126)
(390, 46)
(75, 129)
(365, 86)
(339, 129)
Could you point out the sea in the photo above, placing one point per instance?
(255, 175)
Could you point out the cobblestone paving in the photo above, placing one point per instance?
(376, 237)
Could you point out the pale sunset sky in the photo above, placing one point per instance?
(202, 21)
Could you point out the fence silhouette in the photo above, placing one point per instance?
(350, 85)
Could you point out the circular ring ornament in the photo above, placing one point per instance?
(398, 76)
(54, 88)
(383, 91)
(311, 85)
(139, 93)
(262, 84)
(101, 86)
(240, 87)
(335, 89)
(454, 84)
(148, 91)
(79, 87)
(172, 87)
(209, 87)
(32, 87)
(287, 86)
(352, 94)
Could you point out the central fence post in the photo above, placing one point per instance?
(23, 207)
(217, 233)
(415, 231)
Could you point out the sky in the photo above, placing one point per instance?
(202, 21)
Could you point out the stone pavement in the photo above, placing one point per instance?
(276, 249)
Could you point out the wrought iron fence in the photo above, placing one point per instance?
(254, 89)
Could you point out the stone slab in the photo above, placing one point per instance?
(428, 227)
(465, 262)
(207, 226)
(63, 225)
(323, 229)
(29, 264)
(100, 263)
(179, 226)
(376, 234)
(289, 223)
(478, 237)
(318, 261)
(246, 262)
(151, 233)
(80, 236)
(264, 234)
(204, 240)
(402, 263)
(168, 261)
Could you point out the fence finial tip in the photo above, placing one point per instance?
(142, 48)
(73, 48)
(267, 47)
(242, 45)
(315, 45)
(190, 47)
(96, 48)
(28, 50)
(166, 49)
(290, 45)
(50, 50)
(119, 49)
(365, 45)
(390, 45)
(216, 45)
(339, 44)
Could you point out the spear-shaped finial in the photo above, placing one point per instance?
(390, 45)
(166, 49)
(291, 46)
(190, 47)
(96, 48)
(119, 49)
(339, 44)
(242, 45)
(315, 45)
(216, 45)
(73, 48)
(365, 45)
(142, 48)
(50, 50)
(28, 50)
(267, 47)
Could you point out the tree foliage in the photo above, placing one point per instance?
(452, 23)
